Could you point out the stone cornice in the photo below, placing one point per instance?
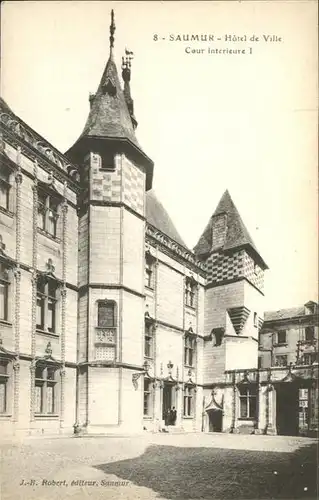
(16, 132)
(172, 247)
(305, 320)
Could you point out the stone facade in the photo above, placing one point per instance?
(39, 283)
(108, 323)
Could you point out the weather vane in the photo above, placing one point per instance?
(126, 60)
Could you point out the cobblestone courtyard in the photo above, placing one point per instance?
(190, 466)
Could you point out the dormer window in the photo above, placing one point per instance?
(109, 87)
(48, 206)
(219, 230)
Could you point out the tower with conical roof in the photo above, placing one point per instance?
(115, 173)
(233, 296)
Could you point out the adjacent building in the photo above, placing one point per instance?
(108, 322)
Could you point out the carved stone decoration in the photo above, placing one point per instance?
(48, 350)
(11, 122)
(50, 268)
(135, 378)
(182, 252)
(16, 378)
(32, 391)
(218, 397)
(2, 245)
(16, 366)
(233, 420)
(17, 309)
(170, 367)
(62, 395)
(145, 372)
(105, 335)
(17, 275)
(246, 379)
(51, 180)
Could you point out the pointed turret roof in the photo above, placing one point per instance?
(111, 117)
(236, 236)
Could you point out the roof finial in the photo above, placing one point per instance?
(112, 30)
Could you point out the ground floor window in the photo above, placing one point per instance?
(147, 411)
(4, 380)
(247, 398)
(46, 390)
(188, 406)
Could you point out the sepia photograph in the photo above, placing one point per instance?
(159, 250)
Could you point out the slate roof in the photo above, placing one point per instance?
(291, 312)
(157, 216)
(4, 106)
(109, 115)
(237, 234)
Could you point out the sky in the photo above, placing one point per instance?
(210, 122)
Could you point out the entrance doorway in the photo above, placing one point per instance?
(215, 420)
(287, 403)
(167, 402)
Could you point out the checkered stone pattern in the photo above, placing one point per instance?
(223, 267)
(253, 272)
(133, 188)
(106, 186)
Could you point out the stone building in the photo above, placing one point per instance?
(108, 322)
